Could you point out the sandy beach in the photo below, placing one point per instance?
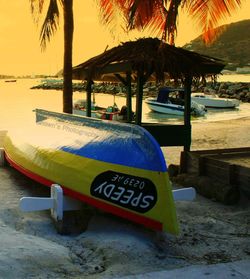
(112, 247)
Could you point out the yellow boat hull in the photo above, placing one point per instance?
(141, 195)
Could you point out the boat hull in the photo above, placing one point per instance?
(174, 109)
(100, 113)
(131, 187)
(165, 108)
(210, 102)
(83, 112)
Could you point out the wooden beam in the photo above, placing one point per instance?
(121, 67)
(168, 134)
(187, 112)
(139, 94)
(120, 78)
(129, 97)
(89, 90)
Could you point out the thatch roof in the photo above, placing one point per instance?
(149, 56)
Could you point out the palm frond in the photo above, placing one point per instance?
(161, 16)
(106, 10)
(171, 20)
(111, 13)
(37, 5)
(145, 14)
(209, 13)
(51, 20)
(50, 23)
(36, 9)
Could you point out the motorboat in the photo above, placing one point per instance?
(116, 167)
(10, 80)
(109, 113)
(213, 101)
(174, 105)
(80, 108)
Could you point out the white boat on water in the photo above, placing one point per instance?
(213, 101)
(80, 108)
(109, 113)
(164, 103)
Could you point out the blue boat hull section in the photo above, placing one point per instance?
(115, 151)
(115, 143)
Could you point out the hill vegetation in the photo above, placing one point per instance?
(232, 45)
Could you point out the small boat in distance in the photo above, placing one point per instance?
(165, 103)
(80, 108)
(10, 80)
(213, 101)
(52, 81)
(116, 167)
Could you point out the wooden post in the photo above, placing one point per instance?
(202, 165)
(89, 90)
(127, 83)
(129, 97)
(187, 112)
(139, 95)
(232, 174)
(183, 162)
(69, 214)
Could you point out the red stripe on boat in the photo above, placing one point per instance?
(150, 223)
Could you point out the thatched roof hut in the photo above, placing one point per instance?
(149, 56)
(144, 59)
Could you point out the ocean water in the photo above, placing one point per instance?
(234, 78)
(18, 102)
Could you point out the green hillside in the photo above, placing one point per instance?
(232, 46)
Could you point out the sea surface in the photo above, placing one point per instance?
(234, 78)
(18, 101)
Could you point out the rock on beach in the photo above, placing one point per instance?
(235, 90)
(239, 90)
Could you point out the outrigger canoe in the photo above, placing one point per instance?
(113, 166)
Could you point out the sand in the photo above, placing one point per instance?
(111, 247)
(212, 135)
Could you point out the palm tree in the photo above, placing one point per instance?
(161, 16)
(49, 27)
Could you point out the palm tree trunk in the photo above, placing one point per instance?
(67, 63)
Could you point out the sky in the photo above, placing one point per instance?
(20, 52)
